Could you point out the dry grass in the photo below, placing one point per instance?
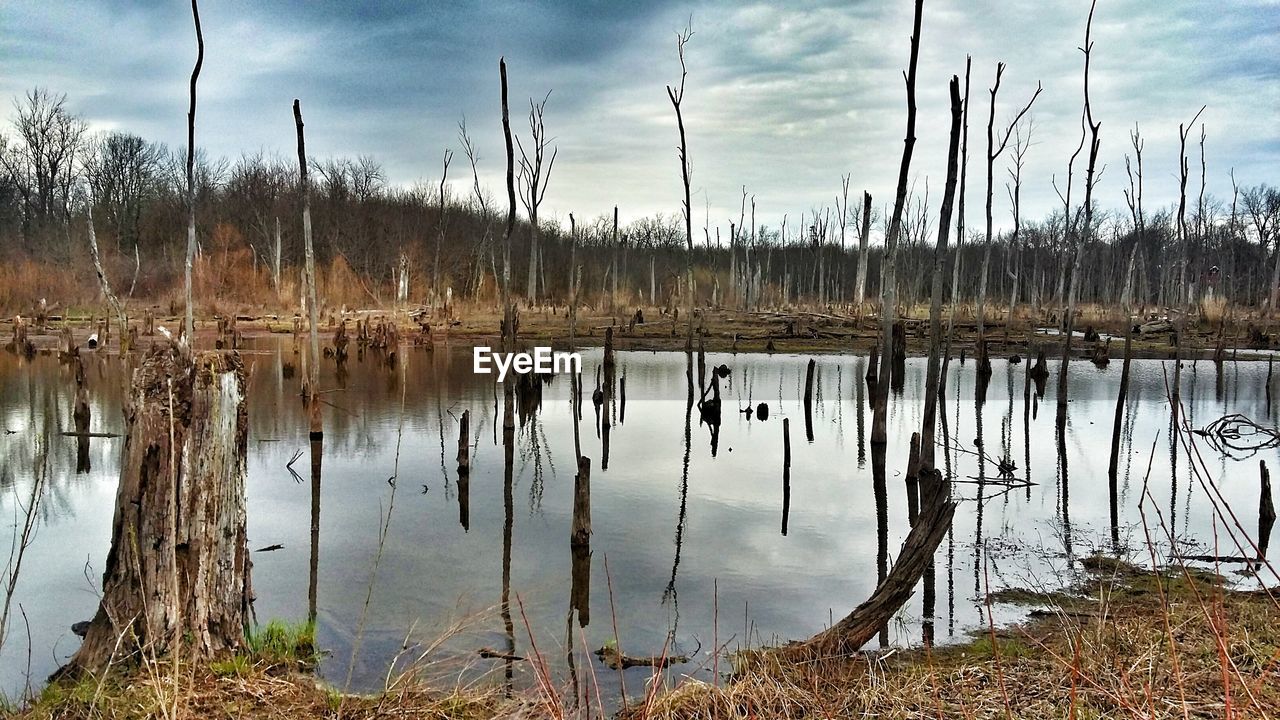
(1099, 650)
(1104, 654)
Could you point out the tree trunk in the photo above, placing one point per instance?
(932, 374)
(189, 326)
(888, 289)
(863, 236)
(313, 311)
(177, 574)
(856, 629)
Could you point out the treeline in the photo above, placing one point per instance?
(379, 244)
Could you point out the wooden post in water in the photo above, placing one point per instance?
(177, 576)
(581, 533)
(808, 400)
(464, 443)
(1270, 358)
(913, 479)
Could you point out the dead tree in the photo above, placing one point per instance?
(993, 153)
(863, 236)
(858, 627)
(888, 282)
(190, 325)
(1133, 198)
(176, 580)
(955, 265)
(677, 97)
(533, 183)
(441, 226)
(1020, 145)
(1184, 240)
(931, 383)
(508, 311)
(112, 300)
(313, 311)
(1089, 131)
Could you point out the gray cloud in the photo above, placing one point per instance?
(782, 99)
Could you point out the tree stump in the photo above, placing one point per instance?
(177, 575)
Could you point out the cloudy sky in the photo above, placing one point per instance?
(781, 98)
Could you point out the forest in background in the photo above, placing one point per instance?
(378, 244)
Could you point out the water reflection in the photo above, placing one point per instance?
(672, 522)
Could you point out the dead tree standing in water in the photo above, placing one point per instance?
(190, 325)
(114, 301)
(888, 282)
(931, 383)
(860, 295)
(955, 265)
(508, 311)
(993, 153)
(1088, 130)
(312, 395)
(677, 97)
(533, 183)
(442, 225)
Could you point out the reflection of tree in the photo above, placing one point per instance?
(669, 593)
(881, 491)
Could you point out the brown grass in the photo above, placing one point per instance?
(1105, 654)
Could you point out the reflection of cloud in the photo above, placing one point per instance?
(783, 100)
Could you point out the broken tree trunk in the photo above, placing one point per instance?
(933, 371)
(581, 532)
(177, 574)
(888, 283)
(857, 628)
(313, 311)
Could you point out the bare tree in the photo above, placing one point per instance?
(41, 164)
(442, 226)
(1020, 146)
(1133, 198)
(533, 183)
(313, 310)
(994, 152)
(482, 204)
(508, 311)
(1088, 130)
(888, 285)
(955, 264)
(1184, 238)
(677, 97)
(864, 234)
(190, 325)
(931, 385)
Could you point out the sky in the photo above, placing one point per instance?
(782, 98)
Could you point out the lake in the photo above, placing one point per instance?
(696, 541)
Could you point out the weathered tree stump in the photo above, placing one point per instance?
(177, 575)
(581, 532)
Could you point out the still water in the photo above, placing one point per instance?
(689, 542)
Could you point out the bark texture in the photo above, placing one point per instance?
(178, 568)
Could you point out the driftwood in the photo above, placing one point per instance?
(177, 575)
(616, 660)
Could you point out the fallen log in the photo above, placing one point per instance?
(860, 626)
